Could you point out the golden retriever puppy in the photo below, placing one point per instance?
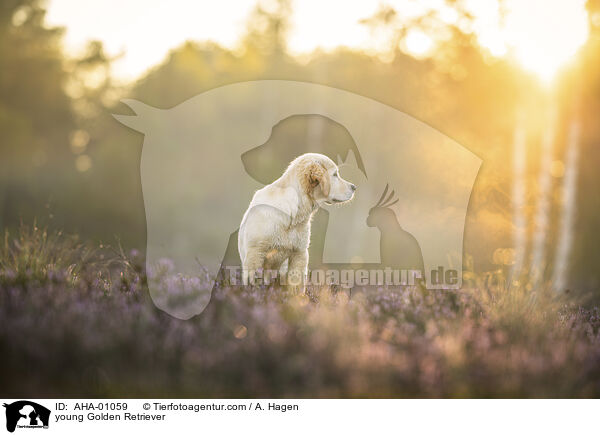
(276, 226)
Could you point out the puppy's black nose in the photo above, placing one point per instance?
(353, 187)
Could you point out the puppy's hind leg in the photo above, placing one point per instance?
(273, 261)
(254, 260)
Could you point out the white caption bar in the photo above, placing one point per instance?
(268, 416)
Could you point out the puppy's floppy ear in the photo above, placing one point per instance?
(318, 175)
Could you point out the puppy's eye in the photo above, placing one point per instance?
(336, 174)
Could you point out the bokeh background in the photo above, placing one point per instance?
(515, 82)
(511, 81)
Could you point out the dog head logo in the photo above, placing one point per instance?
(26, 414)
(203, 160)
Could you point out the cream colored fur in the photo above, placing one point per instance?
(276, 226)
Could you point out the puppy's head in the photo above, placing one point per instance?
(320, 179)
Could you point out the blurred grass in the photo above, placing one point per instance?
(34, 255)
(76, 320)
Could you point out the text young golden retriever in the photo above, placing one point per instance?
(276, 226)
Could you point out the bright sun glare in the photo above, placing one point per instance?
(418, 42)
(541, 35)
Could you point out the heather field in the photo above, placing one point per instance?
(76, 321)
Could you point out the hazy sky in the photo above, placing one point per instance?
(146, 29)
(541, 34)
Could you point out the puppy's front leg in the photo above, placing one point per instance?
(297, 268)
